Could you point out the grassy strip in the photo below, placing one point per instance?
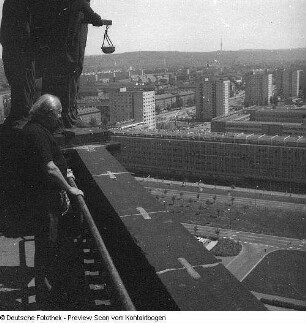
(226, 247)
(236, 216)
(278, 303)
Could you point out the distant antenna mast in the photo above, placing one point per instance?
(221, 44)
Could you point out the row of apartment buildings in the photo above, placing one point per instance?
(289, 83)
(282, 121)
(212, 93)
(117, 105)
(272, 162)
(120, 104)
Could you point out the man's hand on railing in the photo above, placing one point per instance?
(75, 191)
(70, 173)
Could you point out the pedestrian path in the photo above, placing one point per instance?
(208, 244)
(248, 237)
(200, 184)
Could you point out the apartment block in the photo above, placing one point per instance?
(244, 158)
(258, 88)
(132, 105)
(289, 82)
(284, 121)
(144, 107)
(212, 96)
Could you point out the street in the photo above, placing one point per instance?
(254, 247)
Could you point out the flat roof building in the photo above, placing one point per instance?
(288, 82)
(132, 105)
(212, 96)
(248, 159)
(258, 88)
(281, 121)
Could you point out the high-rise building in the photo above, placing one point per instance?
(132, 105)
(296, 82)
(288, 82)
(144, 107)
(121, 105)
(212, 98)
(258, 88)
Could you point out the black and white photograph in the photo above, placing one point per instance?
(152, 159)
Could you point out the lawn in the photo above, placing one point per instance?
(280, 273)
(242, 217)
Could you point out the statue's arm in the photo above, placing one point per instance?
(91, 17)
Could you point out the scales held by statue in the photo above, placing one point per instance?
(107, 45)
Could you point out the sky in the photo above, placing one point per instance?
(199, 25)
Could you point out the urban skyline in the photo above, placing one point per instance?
(199, 25)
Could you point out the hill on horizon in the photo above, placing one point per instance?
(154, 59)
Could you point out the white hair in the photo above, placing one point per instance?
(44, 105)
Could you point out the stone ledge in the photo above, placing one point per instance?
(161, 264)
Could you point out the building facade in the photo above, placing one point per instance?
(258, 88)
(96, 105)
(132, 105)
(212, 98)
(144, 108)
(281, 121)
(289, 82)
(164, 101)
(121, 105)
(272, 161)
(90, 115)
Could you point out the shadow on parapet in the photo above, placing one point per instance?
(16, 277)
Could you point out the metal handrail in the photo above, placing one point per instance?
(116, 279)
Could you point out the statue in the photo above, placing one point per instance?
(60, 41)
(18, 58)
(45, 39)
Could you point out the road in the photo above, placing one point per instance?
(172, 114)
(254, 247)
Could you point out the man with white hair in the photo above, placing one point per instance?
(44, 175)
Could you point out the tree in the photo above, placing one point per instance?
(179, 102)
(214, 198)
(190, 102)
(217, 231)
(173, 199)
(93, 121)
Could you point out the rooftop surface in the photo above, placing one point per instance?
(239, 138)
